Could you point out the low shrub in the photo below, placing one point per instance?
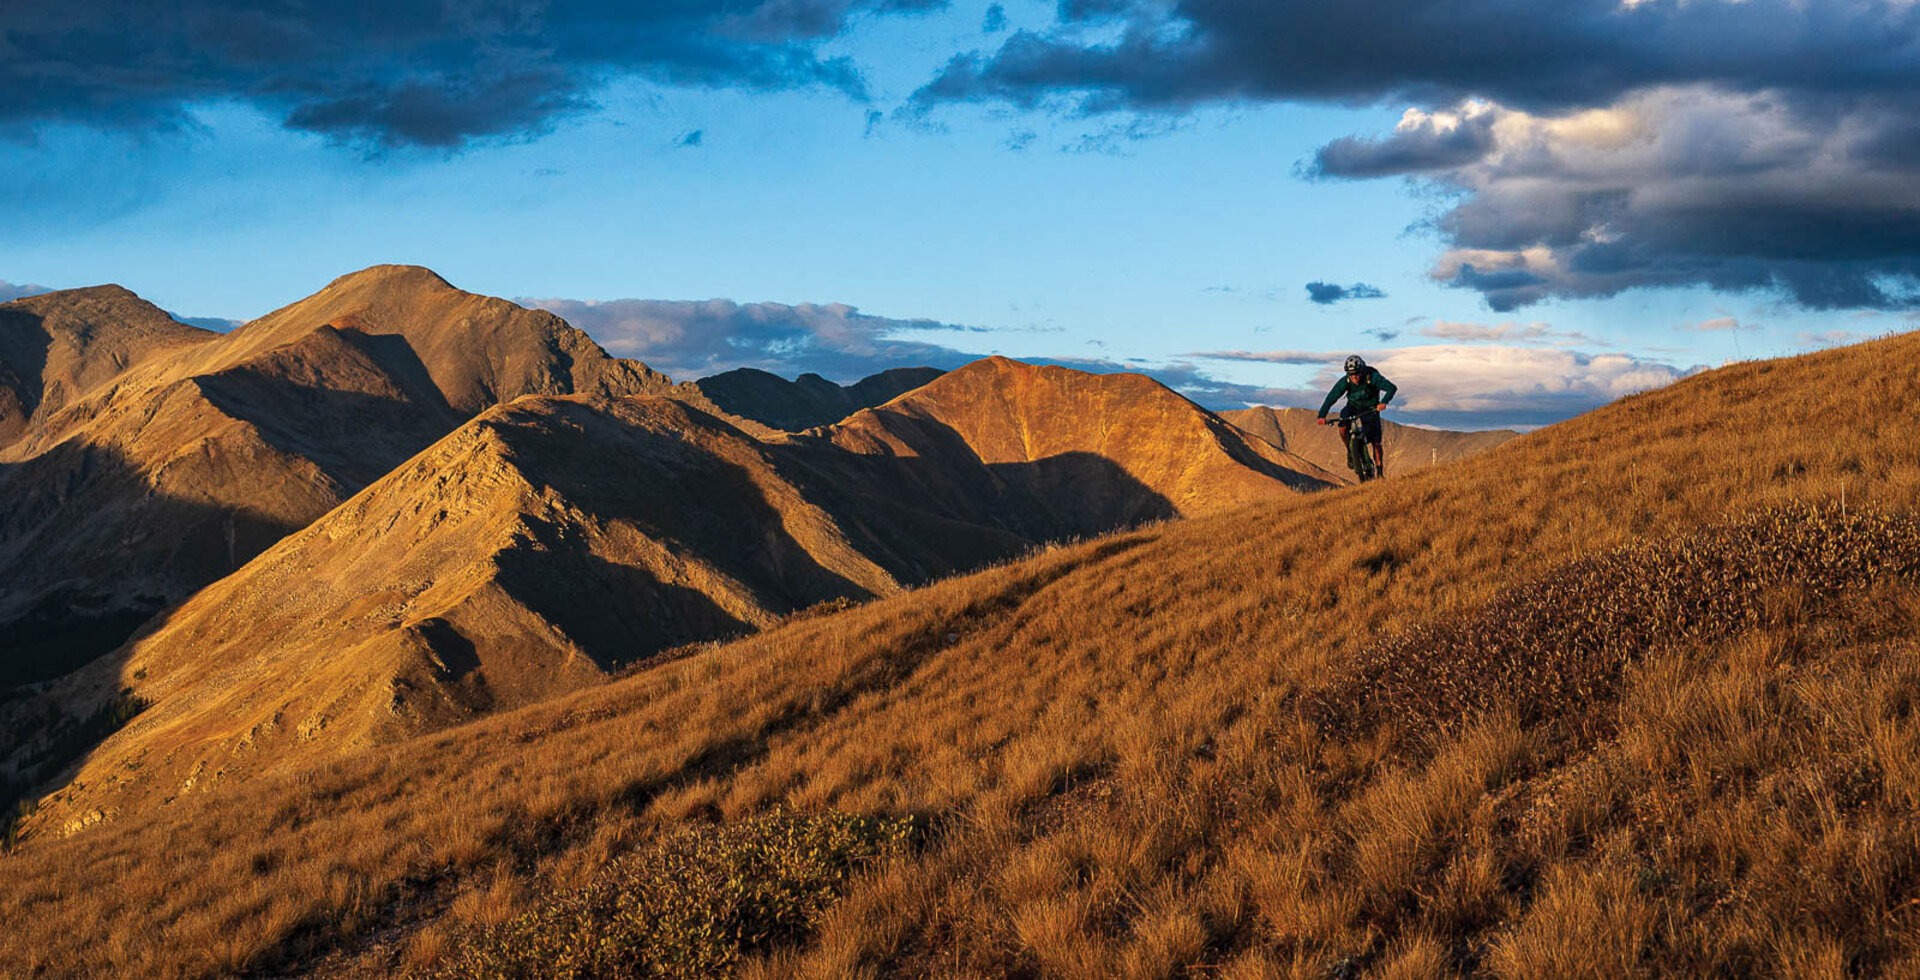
(688, 904)
(1556, 647)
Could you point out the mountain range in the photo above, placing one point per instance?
(394, 506)
(808, 400)
(1599, 700)
(160, 458)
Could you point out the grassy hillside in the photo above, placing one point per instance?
(1631, 694)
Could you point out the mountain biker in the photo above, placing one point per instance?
(1368, 391)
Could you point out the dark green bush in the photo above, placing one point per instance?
(689, 904)
(66, 740)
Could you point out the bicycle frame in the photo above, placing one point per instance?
(1359, 452)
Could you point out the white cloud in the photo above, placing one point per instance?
(1482, 386)
(691, 339)
(10, 291)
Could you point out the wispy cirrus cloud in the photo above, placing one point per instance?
(1831, 338)
(1719, 324)
(1505, 333)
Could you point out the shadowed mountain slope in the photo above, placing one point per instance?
(526, 554)
(1182, 748)
(57, 346)
(1408, 447)
(551, 540)
(809, 400)
(188, 463)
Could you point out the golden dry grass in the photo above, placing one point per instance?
(1207, 746)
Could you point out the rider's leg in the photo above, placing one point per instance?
(1373, 428)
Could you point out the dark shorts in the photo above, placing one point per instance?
(1369, 424)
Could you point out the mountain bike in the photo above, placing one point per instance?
(1359, 459)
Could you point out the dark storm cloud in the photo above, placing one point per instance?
(1158, 54)
(1326, 293)
(1409, 151)
(1584, 148)
(437, 73)
(1679, 187)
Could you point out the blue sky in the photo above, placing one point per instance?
(1518, 210)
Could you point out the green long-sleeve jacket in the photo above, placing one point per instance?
(1372, 391)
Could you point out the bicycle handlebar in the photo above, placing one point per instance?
(1324, 420)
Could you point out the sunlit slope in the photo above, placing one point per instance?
(1035, 431)
(1140, 754)
(528, 553)
(1407, 447)
(478, 351)
(552, 540)
(57, 346)
(195, 457)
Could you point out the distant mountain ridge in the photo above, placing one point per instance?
(551, 540)
(189, 452)
(54, 347)
(1408, 447)
(809, 400)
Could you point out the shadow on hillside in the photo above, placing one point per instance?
(917, 518)
(1233, 441)
(73, 597)
(84, 562)
(23, 362)
(90, 549)
(947, 511)
(355, 437)
(617, 613)
(700, 512)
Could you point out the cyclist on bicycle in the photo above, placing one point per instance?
(1368, 391)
